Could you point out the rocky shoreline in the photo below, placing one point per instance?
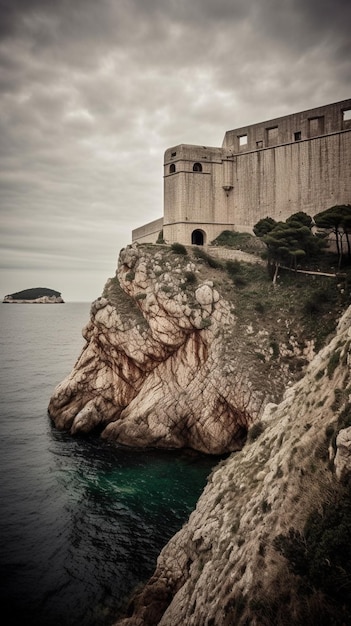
(167, 363)
(224, 566)
(42, 300)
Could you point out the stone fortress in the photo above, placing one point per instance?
(300, 162)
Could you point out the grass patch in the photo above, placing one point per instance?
(199, 253)
(239, 241)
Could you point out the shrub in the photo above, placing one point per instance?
(240, 281)
(199, 253)
(255, 431)
(233, 267)
(232, 239)
(259, 307)
(315, 304)
(190, 278)
(160, 237)
(321, 554)
(178, 248)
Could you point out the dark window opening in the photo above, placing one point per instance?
(297, 135)
(197, 167)
(198, 237)
(174, 154)
(172, 168)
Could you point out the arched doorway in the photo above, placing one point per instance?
(198, 237)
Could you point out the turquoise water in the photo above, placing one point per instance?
(82, 521)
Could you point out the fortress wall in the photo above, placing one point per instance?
(300, 162)
(189, 196)
(311, 123)
(181, 232)
(306, 176)
(148, 233)
(174, 197)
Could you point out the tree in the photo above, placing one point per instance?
(346, 224)
(264, 226)
(302, 218)
(337, 221)
(289, 241)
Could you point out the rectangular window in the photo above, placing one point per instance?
(297, 135)
(346, 118)
(272, 136)
(242, 141)
(316, 126)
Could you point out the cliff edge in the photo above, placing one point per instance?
(169, 362)
(183, 351)
(269, 541)
(154, 371)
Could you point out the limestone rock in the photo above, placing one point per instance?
(222, 567)
(154, 370)
(343, 453)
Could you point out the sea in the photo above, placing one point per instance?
(82, 520)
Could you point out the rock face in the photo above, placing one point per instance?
(168, 362)
(155, 370)
(223, 567)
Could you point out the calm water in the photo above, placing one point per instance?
(82, 521)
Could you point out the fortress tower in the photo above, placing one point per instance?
(300, 162)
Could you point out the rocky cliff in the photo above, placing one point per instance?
(179, 352)
(167, 362)
(269, 541)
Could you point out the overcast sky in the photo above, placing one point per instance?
(94, 91)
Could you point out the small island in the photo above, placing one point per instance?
(36, 295)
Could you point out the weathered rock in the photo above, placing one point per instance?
(222, 567)
(343, 453)
(154, 370)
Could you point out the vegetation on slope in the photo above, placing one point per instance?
(34, 293)
(277, 330)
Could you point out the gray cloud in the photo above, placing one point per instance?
(92, 93)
